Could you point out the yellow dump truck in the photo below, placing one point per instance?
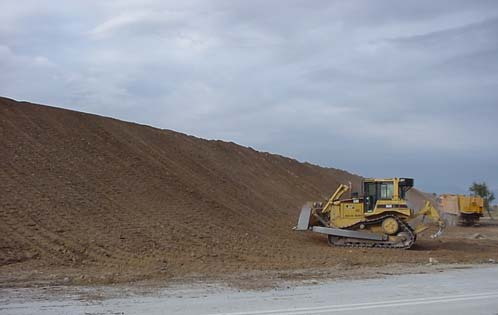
(468, 209)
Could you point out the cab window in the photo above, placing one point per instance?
(386, 191)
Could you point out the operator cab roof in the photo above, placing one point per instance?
(403, 181)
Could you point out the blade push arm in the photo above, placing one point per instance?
(336, 196)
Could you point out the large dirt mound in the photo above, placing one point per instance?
(83, 189)
(92, 196)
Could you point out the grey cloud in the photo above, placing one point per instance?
(380, 88)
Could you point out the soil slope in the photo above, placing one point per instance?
(92, 198)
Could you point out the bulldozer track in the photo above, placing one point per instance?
(353, 242)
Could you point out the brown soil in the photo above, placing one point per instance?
(88, 199)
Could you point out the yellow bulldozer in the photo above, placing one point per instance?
(378, 218)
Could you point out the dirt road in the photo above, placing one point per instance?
(456, 291)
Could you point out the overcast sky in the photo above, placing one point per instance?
(379, 88)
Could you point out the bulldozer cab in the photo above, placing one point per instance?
(384, 189)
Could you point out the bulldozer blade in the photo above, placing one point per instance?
(304, 218)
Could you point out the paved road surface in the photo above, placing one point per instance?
(461, 291)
